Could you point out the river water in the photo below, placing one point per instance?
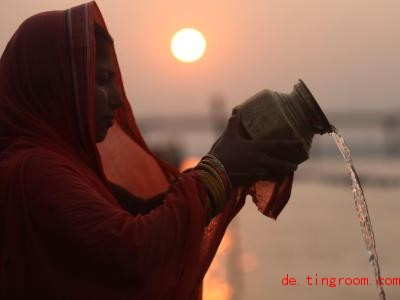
(318, 235)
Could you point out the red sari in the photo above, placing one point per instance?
(63, 235)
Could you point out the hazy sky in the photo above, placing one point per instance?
(347, 51)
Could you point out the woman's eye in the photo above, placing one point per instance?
(103, 78)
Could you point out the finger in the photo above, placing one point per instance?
(233, 125)
(246, 178)
(277, 165)
(294, 145)
(289, 151)
(215, 144)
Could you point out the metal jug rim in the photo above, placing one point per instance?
(326, 126)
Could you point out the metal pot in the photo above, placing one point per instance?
(274, 115)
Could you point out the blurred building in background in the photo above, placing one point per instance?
(369, 133)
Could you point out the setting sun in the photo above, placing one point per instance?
(188, 45)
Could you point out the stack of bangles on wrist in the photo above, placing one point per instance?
(213, 174)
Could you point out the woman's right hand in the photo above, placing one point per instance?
(247, 161)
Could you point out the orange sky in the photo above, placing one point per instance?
(347, 51)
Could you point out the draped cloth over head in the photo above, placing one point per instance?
(62, 233)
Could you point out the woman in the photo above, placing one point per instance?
(75, 173)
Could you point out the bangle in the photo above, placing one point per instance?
(216, 160)
(212, 191)
(213, 174)
(218, 166)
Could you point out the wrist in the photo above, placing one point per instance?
(213, 174)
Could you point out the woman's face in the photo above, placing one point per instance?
(108, 98)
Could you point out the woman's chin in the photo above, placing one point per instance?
(100, 136)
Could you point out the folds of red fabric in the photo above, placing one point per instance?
(71, 239)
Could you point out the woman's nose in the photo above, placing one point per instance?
(115, 98)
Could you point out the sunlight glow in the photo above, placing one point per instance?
(188, 45)
(189, 162)
(216, 284)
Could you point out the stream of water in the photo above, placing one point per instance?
(362, 210)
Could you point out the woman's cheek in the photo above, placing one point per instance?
(101, 92)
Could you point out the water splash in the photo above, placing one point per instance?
(362, 209)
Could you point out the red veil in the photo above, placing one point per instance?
(62, 233)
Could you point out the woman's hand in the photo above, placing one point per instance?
(246, 160)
